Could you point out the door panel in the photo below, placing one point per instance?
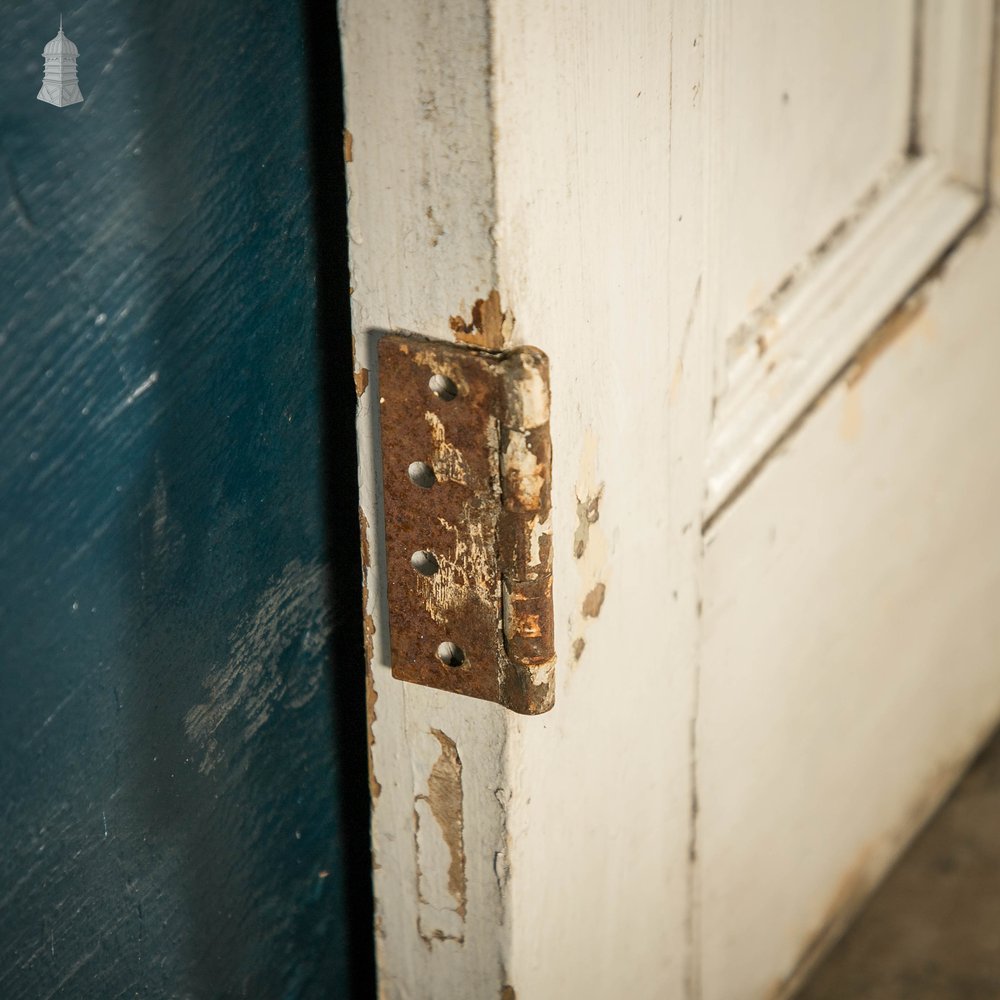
(778, 347)
(813, 105)
(849, 665)
(773, 566)
(171, 779)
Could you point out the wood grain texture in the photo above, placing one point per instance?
(170, 778)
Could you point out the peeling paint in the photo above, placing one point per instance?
(360, 381)
(444, 800)
(371, 695)
(444, 796)
(588, 512)
(501, 858)
(593, 602)
(528, 401)
(366, 562)
(348, 146)
(526, 475)
(467, 570)
(490, 327)
(447, 460)
(905, 321)
(590, 546)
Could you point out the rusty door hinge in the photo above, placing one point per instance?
(466, 457)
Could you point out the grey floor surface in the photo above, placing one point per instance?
(932, 929)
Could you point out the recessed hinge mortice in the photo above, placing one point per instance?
(466, 460)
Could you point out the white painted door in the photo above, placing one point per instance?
(757, 241)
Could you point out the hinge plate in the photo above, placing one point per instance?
(466, 460)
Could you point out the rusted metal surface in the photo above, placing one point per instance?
(469, 556)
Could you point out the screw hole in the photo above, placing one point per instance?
(424, 563)
(422, 475)
(450, 654)
(443, 387)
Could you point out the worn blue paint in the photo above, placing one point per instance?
(170, 793)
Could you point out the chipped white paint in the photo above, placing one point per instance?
(142, 388)
(528, 400)
(470, 568)
(245, 691)
(447, 459)
(569, 157)
(530, 474)
(540, 528)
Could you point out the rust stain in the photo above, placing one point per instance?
(490, 327)
(361, 381)
(438, 229)
(859, 881)
(850, 418)
(445, 799)
(507, 993)
(348, 146)
(590, 545)
(593, 602)
(848, 895)
(901, 322)
(371, 695)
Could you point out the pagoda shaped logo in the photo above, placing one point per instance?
(60, 86)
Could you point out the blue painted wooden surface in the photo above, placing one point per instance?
(171, 741)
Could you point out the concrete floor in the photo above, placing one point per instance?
(932, 929)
